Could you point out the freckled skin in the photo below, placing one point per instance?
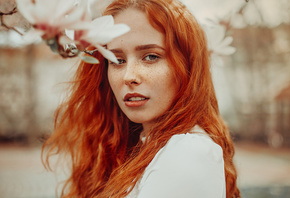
(144, 71)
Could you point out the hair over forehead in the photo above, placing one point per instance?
(174, 7)
(141, 3)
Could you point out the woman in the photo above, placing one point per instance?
(148, 126)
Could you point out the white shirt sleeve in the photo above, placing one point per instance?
(189, 166)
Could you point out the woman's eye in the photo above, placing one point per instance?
(151, 57)
(121, 61)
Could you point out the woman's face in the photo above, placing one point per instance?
(142, 82)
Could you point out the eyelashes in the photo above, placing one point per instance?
(151, 57)
(147, 58)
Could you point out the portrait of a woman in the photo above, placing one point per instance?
(149, 125)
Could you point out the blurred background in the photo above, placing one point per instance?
(252, 85)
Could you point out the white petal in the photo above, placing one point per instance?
(228, 40)
(103, 22)
(116, 30)
(238, 21)
(65, 40)
(24, 7)
(96, 7)
(217, 33)
(228, 50)
(70, 34)
(216, 60)
(43, 10)
(83, 25)
(78, 14)
(90, 59)
(33, 35)
(62, 7)
(107, 35)
(107, 53)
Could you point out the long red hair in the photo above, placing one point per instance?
(104, 146)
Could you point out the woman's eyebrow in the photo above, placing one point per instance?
(149, 46)
(138, 48)
(116, 51)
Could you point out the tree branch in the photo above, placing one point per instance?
(3, 24)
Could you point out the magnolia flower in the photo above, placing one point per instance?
(96, 7)
(50, 18)
(218, 43)
(99, 32)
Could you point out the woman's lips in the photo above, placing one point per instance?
(135, 100)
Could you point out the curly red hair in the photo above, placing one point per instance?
(104, 146)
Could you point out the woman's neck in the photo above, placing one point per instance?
(146, 129)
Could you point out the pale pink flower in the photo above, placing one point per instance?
(218, 43)
(51, 17)
(97, 33)
(96, 7)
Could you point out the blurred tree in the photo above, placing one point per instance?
(259, 69)
(17, 95)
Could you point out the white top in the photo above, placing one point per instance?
(189, 166)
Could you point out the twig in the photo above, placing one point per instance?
(9, 13)
(2, 14)
(90, 52)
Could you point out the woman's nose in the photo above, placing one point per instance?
(132, 74)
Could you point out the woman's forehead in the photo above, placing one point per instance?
(141, 31)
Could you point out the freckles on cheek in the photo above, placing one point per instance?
(115, 79)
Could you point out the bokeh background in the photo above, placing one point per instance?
(252, 85)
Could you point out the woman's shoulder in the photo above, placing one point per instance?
(193, 161)
(193, 149)
(196, 143)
